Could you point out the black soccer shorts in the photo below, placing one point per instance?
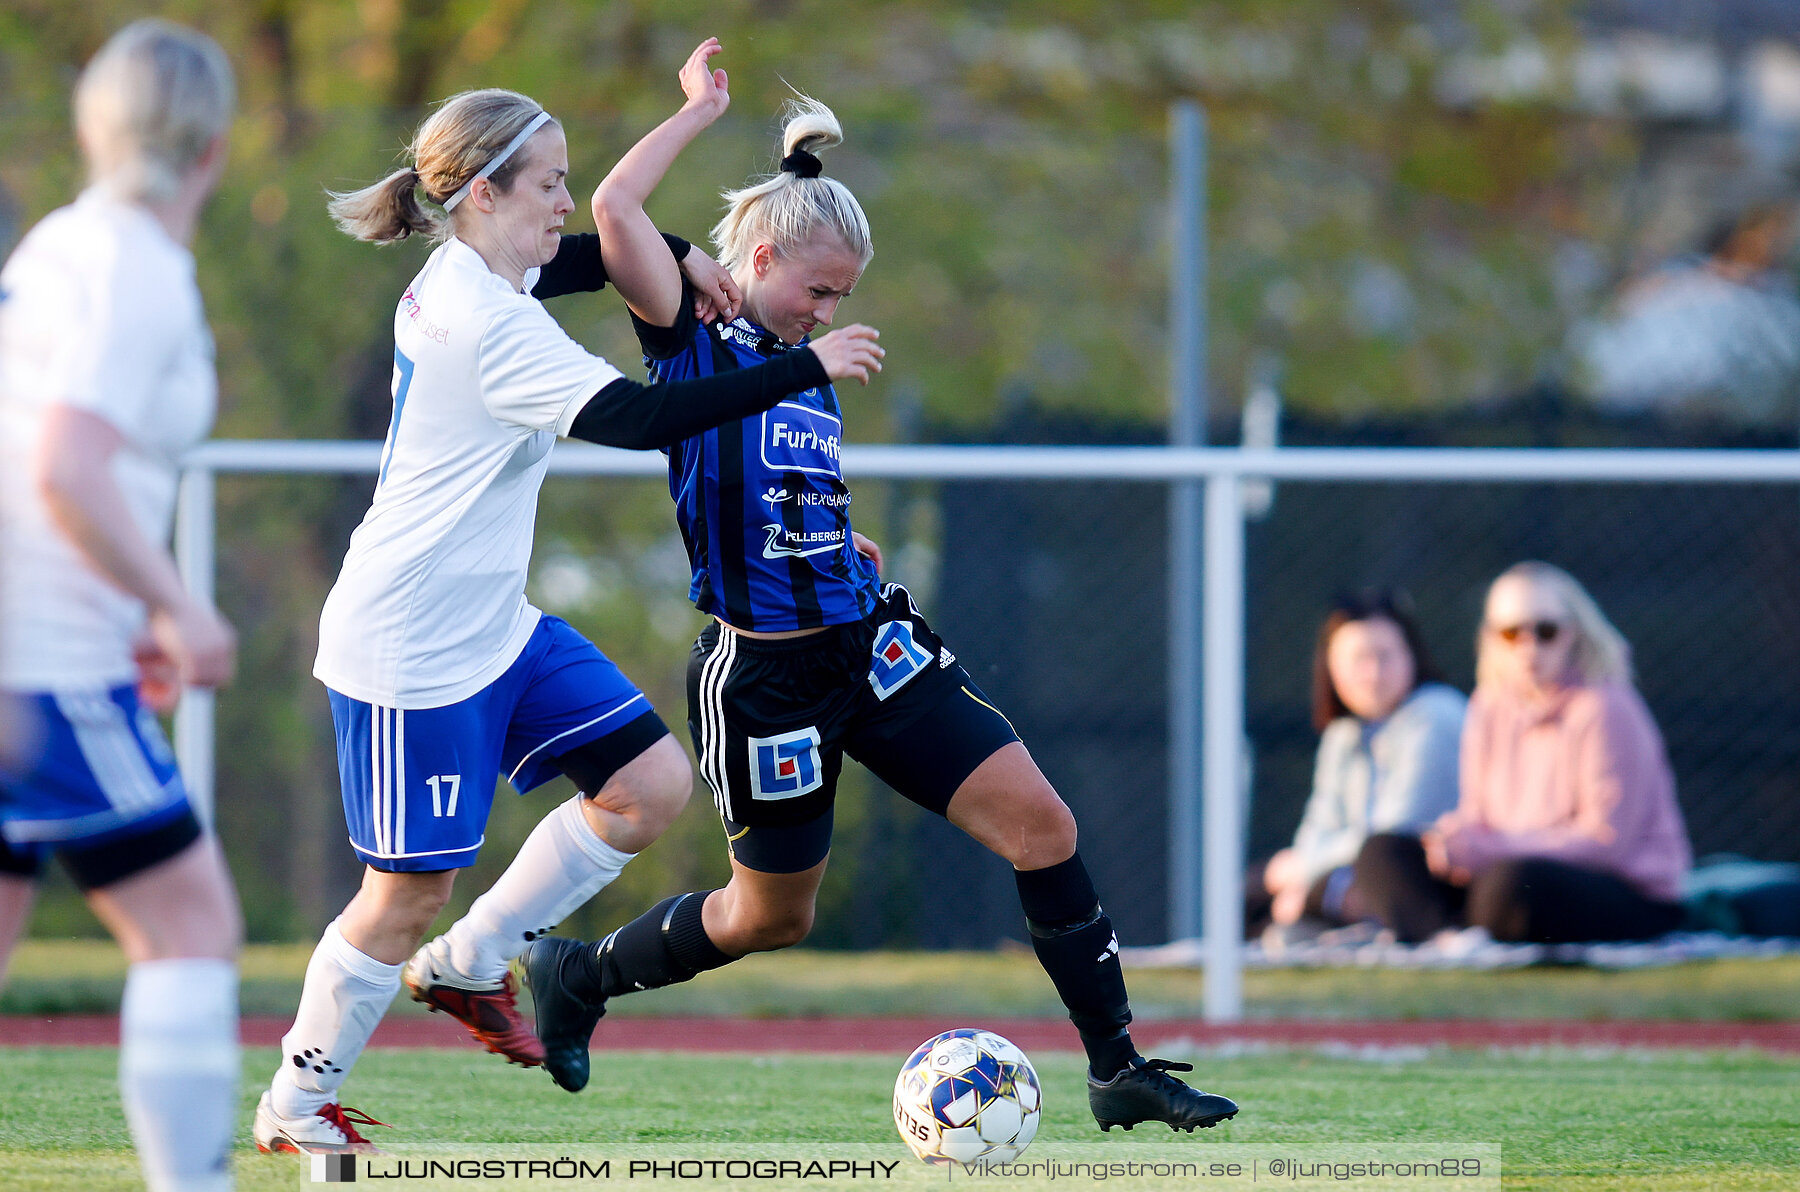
(772, 721)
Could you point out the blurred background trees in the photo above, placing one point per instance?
(1415, 207)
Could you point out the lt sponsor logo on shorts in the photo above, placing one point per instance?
(897, 658)
(785, 766)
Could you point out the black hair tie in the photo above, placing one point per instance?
(802, 163)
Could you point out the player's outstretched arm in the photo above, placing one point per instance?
(74, 476)
(641, 417)
(636, 260)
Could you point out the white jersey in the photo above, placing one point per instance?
(98, 311)
(430, 606)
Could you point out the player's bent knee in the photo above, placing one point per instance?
(767, 926)
(777, 932)
(654, 787)
(1049, 845)
(1044, 835)
(1057, 832)
(210, 933)
(674, 776)
(407, 899)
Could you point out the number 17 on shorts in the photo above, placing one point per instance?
(417, 785)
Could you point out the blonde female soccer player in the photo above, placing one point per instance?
(809, 655)
(106, 378)
(441, 674)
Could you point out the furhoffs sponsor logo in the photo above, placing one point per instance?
(797, 438)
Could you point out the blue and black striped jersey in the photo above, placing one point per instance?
(761, 502)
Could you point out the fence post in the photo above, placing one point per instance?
(1187, 428)
(194, 530)
(1223, 906)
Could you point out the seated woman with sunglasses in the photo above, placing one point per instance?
(1567, 827)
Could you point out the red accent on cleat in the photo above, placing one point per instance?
(340, 1116)
(492, 1016)
(330, 1131)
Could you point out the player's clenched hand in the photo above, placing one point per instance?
(850, 352)
(159, 679)
(197, 640)
(706, 89)
(716, 293)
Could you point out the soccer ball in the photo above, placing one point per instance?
(965, 1096)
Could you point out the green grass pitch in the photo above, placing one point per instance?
(1604, 1120)
(86, 977)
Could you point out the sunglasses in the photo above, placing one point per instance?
(1544, 631)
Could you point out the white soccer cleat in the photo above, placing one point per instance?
(331, 1131)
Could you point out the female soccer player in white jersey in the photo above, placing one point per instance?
(441, 675)
(106, 378)
(811, 657)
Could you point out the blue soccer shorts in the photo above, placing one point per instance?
(99, 788)
(418, 783)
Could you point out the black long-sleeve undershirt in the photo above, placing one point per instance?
(641, 417)
(578, 269)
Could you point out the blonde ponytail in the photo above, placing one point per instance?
(386, 212)
(453, 145)
(787, 208)
(809, 126)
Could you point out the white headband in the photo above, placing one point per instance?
(512, 146)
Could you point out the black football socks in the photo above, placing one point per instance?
(1074, 941)
(1070, 933)
(665, 945)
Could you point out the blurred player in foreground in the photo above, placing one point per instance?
(106, 378)
(442, 676)
(810, 656)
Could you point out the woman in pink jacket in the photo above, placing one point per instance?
(1567, 827)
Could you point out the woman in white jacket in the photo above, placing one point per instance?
(1387, 759)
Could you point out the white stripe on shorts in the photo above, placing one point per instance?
(703, 747)
(96, 736)
(399, 787)
(713, 674)
(567, 732)
(112, 752)
(436, 852)
(376, 809)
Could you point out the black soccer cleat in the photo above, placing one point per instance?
(565, 1021)
(1145, 1092)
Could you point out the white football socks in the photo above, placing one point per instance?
(178, 1070)
(346, 993)
(561, 865)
